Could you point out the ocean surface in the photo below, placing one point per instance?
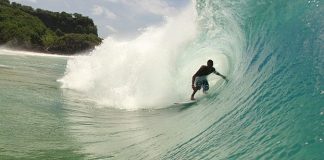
(117, 101)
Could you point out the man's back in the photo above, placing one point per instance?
(204, 71)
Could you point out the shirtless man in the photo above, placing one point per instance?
(199, 79)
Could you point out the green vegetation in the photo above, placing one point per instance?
(25, 28)
(70, 43)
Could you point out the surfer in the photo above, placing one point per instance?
(199, 79)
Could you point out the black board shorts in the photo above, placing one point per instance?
(201, 83)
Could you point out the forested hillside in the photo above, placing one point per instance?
(22, 27)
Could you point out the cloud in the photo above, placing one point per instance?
(98, 10)
(126, 16)
(112, 1)
(111, 29)
(33, 1)
(157, 7)
(110, 15)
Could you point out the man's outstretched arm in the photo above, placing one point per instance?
(224, 77)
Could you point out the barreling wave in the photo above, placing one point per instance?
(272, 52)
(273, 107)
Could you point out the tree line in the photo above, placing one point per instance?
(24, 27)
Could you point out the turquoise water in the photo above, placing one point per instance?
(272, 108)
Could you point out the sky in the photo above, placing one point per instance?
(115, 18)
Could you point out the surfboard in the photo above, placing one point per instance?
(186, 102)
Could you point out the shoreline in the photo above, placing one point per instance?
(9, 51)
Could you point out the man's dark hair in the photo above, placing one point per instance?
(210, 61)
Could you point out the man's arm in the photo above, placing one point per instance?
(224, 77)
(193, 81)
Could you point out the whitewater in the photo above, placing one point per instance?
(117, 101)
(151, 71)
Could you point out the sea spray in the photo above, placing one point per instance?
(137, 73)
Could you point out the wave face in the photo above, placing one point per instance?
(272, 108)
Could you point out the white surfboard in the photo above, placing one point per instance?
(186, 102)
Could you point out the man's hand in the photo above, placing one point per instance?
(225, 78)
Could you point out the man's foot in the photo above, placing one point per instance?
(192, 98)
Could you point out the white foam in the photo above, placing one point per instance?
(5, 66)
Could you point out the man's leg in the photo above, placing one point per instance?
(197, 87)
(193, 93)
(205, 87)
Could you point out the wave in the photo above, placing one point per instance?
(272, 106)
